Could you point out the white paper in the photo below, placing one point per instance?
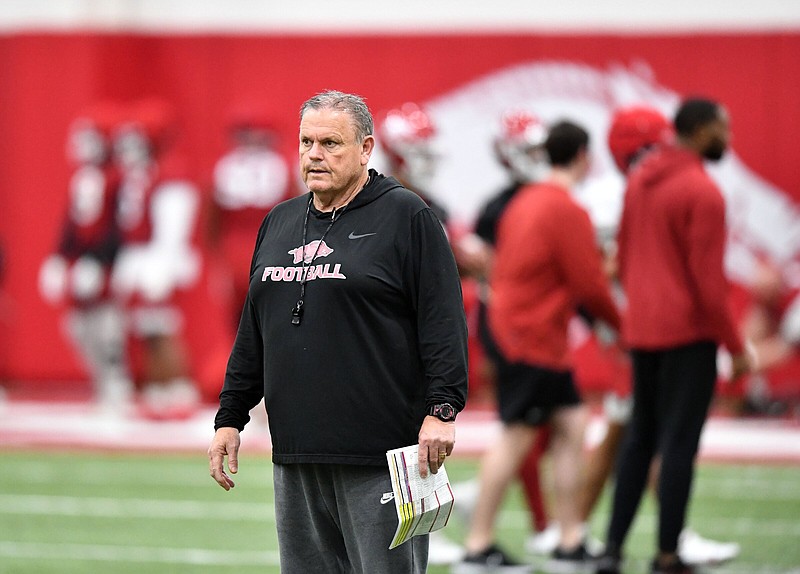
(423, 504)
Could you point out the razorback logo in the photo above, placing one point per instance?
(310, 251)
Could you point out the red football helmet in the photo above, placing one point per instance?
(250, 113)
(251, 124)
(406, 135)
(520, 145)
(634, 130)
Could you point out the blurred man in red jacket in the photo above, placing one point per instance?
(671, 248)
(635, 131)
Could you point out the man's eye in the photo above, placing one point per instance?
(330, 144)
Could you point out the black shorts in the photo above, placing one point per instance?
(529, 394)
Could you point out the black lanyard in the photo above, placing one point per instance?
(297, 310)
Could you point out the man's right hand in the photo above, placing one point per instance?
(225, 443)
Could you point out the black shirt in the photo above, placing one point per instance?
(382, 336)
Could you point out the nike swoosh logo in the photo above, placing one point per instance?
(354, 236)
(387, 496)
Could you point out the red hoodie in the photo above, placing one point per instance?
(547, 264)
(671, 250)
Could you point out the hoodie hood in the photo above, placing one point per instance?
(663, 163)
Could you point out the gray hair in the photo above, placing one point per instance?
(340, 101)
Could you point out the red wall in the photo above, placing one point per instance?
(46, 78)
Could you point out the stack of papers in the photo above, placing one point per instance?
(423, 504)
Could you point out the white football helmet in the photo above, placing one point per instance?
(520, 146)
(148, 131)
(406, 134)
(89, 134)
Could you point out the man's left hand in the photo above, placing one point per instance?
(436, 440)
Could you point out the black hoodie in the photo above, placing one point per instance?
(383, 333)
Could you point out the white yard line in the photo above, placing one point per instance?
(23, 504)
(143, 554)
(109, 473)
(166, 509)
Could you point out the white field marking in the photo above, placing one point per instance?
(114, 473)
(761, 489)
(135, 507)
(646, 523)
(237, 511)
(109, 553)
(735, 567)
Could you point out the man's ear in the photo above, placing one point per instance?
(367, 146)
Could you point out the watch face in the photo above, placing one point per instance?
(445, 412)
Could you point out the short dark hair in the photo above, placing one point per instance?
(695, 113)
(353, 104)
(564, 140)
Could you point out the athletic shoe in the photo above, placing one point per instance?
(677, 567)
(608, 564)
(491, 560)
(442, 551)
(545, 541)
(694, 549)
(576, 561)
(594, 546)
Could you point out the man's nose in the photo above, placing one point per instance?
(315, 151)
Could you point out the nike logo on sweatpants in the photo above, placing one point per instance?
(387, 496)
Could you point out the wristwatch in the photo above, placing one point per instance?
(444, 412)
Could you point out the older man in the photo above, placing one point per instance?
(354, 333)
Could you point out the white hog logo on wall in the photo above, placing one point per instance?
(762, 218)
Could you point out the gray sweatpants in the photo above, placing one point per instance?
(330, 520)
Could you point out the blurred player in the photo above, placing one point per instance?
(78, 272)
(249, 179)
(633, 132)
(681, 399)
(157, 213)
(545, 264)
(519, 148)
(406, 135)
(772, 325)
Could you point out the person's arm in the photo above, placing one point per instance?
(244, 382)
(442, 333)
(581, 263)
(242, 390)
(705, 246)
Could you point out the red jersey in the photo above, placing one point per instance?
(136, 190)
(671, 249)
(546, 265)
(90, 229)
(157, 215)
(248, 183)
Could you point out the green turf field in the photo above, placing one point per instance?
(123, 513)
